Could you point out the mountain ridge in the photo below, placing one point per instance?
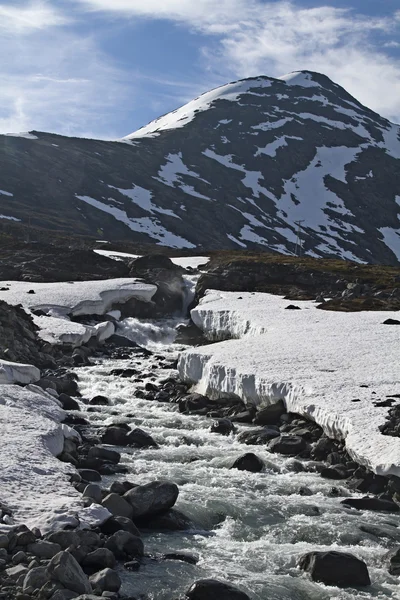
(237, 167)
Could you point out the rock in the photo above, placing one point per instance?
(153, 498)
(212, 589)
(19, 558)
(292, 307)
(24, 538)
(89, 475)
(123, 544)
(106, 580)
(270, 415)
(115, 436)
(118, 506)
(68, 403)
(35, 579)
(93, 492)
(335, 472)
(245, 416)
(15, 573)
(105, 454)
(391, 322)
(121, 487)
(63, 595)
(335, 568)
(394, 562)
(194, 402)
(99, 401)
(140, 439)
(222, 426)
(101, 558)
(119, 524)
(172, 520)
(182, 556)
(288, 445)
(248, 462)
(43, 549)
(367, 503)
(64, 538)
(132, 565)
(258, 436)
(65, 569)
(89, 538)
(3, 540)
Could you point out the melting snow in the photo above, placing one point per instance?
(391, 238)
(315, 361)
(3, 193)
(301, 78)
(9, 218)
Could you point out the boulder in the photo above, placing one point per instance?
(288, 445)
(248, 462)
(222, 426)
(153, 498)
(35, 579)
(119, 524)
(100, 558)
(99, 401)
(89, 475)
(64, 595)
(43, 549)
(66, 570)
(104, 454)
(118, 506)
(335, 472)
(270, 415)
(335, 568)
(394, 562)
(115, 436)
(140, 439)
(106, 580)
(65, 539)
(258, 436)
(123, 544)
(213, 589)
(68, 403)
(194, 402)
(367, 503)
(93, 492)
(172, 520)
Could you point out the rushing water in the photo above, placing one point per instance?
(251, 528)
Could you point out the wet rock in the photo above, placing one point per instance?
(248, 462)
(65, 539)
(194, 402)
(63, 595)
(258, 436)
(104, 454)
(140, 439)
(288, 445)
(172, 520)
(100, 558)
(89, 475)
(245, 416)
(68, 403)
(394, 562)
(335, 568)
(222, 426)
(368, 503)
(132, 565)
(24, 538)
(99, 401)
(270, 415)
(66, 570)
(391, 322)
(153, 498)
(3, 540)
(106, 580)
(322, 448)
(118, 506)
(335, 472)
(121, 487)
(191, 559)
(123, 544)
(212, 589)
(119, 524)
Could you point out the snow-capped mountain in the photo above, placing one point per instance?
(237, 167)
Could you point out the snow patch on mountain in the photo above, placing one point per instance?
(391, 238)
(143, 198)
(300, 78)
(3, 193)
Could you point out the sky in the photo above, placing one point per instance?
(104, 68)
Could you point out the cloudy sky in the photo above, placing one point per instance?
(104, 68)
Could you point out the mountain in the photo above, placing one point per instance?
(235, 168)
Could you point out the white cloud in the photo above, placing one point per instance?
(255, 37)
(33, 16)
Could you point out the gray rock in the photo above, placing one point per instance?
(65, 569)
(119, 524)
(102, 558)
(394, 562)
(35, 579)
(16, 572)
(105, 454)
(24, 538)
(172, 520)
(64, 538)
(93, 491)
(3, 540)
(118, 506)
(106, 580)
(3, 554)
(212, 589)
(289, 445)
(151, 499)
(123, 544)
(248, 462)
(63, 595)
(270, 415)
(19, 558)
(89, 475)
(335, 568)
(43, 549)
(89, 538)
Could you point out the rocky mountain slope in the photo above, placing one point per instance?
(235, 168)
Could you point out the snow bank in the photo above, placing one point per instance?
(315, 361)
(33, 483)
(194, 262)
(74, 298)
(11, 372)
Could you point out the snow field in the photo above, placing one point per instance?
(316, 361)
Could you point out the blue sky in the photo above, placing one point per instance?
(104, 68)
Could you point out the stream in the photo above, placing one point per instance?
(251, 528)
